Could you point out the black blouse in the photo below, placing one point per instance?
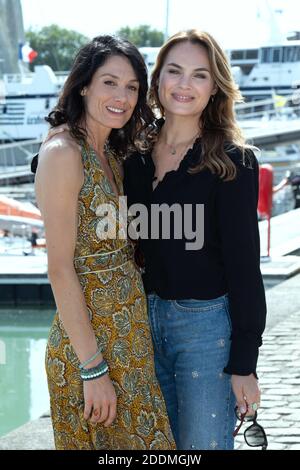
(228, 261)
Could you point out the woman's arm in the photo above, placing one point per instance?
(59, 179)
(58, 182)
(239, 235)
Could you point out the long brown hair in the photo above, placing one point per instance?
(220, 131)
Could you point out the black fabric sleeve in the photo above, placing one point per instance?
(34, 163)
(136, 181)
(128, 186)
(240, 245)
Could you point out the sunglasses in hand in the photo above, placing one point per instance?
(254, 434)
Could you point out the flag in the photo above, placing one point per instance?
(26, 53)
(279, 101)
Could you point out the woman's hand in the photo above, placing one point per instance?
(100, 400)
(247, 392)
(54, 131)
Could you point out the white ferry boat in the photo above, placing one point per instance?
(268, 70)
(260, 72)
(25, 100)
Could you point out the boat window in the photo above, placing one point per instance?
(291, 54)
(276, 54)
(237, 55)
(288, 54)
(265, 56)
(251, 54)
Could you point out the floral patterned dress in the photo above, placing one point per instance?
(116, 303)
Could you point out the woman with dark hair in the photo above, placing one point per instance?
(206, 299)
(99, 359)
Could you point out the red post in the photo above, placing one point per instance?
(265, 196)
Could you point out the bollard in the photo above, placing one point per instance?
(265, 197)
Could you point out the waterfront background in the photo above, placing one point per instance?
(26, 303)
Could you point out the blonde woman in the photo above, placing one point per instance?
(206, 298)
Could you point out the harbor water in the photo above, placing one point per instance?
(23, 385)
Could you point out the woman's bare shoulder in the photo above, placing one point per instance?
(61, 149)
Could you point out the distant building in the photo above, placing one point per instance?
(11, 34)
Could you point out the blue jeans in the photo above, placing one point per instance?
(191, 348)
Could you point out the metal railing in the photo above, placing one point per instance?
(17, 154)
(15, 161)
(270, 108)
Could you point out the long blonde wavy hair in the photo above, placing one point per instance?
(220, 130)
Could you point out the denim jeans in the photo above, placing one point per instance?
(191, 348)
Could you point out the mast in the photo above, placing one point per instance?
(167, 21)
(11, 33)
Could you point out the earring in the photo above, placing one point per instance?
(212, 98)
(83, 92)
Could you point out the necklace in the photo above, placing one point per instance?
(190, 143)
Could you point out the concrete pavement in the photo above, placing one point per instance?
(278, 370)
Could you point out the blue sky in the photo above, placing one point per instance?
(233, 22)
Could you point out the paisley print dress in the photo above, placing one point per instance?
(116, 303)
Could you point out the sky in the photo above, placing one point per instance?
(234, 23)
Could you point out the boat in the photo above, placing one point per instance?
(12, 207)
(20, 225)
(19, 218)
(266, 71)
(15, 246)
(271, 71)
(25, 100)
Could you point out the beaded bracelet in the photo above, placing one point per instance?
(85, 363)
(94, 376)
(95, 372)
